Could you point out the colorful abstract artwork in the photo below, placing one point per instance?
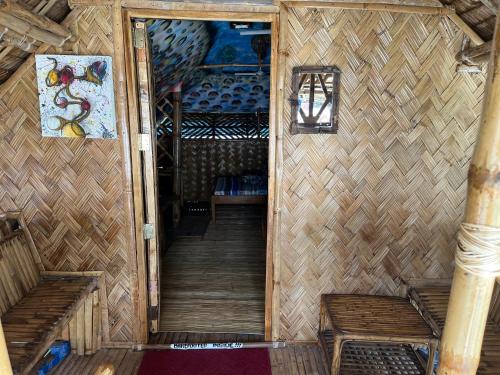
(76, 96)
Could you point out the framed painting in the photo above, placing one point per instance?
(76, 96)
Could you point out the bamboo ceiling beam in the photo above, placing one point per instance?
(372, 6)
(467, 30)
(491, 5)
(12, 39)
(42, 8)
(33, 26)
(38, 20)
(206, 6)
(424, 3)
(477, 54)
(472, 288)
(28, 63)
(89, 3)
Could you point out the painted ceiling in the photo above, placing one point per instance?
(179, 47)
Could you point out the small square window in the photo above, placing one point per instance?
(315, 99)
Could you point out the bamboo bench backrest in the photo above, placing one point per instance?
(20, 264)
(418, 285)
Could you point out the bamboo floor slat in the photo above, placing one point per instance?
(217, 283)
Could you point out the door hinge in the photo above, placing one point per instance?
(148, 231)
(139, 35)
(144, 142)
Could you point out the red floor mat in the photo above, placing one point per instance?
(206, 362)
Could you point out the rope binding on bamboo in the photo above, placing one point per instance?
(479, 249)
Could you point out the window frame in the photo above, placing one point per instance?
(318, 128)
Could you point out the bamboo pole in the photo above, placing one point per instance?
(24, 27)
(5, 367)
(460, 23)
(141, 294)
(278, 198)
(471, 294)
(140, 330)
(395, 8)
(209, 346)
(476, 55)
(491, 5)
(176, 153)
(38, 20)
(13, 39)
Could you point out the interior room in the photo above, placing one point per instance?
(249, 187)
(211, 88)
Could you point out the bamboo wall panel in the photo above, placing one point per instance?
(69, 189)
(383, 198)
(203, 161)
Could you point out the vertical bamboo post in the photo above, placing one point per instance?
(177, 173)
(5, 367)
(471, 294)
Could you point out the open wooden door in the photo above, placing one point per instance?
(147, 146)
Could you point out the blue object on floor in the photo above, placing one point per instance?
(57, 352)
(424, 352)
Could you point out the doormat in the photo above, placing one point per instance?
(206, 362)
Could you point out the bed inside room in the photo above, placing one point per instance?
(212, 87)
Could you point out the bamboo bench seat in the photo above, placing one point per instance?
(432, 301)
(37, 306)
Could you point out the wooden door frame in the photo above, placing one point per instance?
(271, 313)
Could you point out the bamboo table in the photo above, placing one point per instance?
(374, 320)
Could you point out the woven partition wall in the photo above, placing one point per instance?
(70, 189)
(203, 161)
(382, 199)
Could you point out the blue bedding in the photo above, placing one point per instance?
(241, 185)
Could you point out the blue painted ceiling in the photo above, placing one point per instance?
(179, 47)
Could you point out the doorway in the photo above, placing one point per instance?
(204, 104)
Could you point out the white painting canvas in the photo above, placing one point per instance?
(76, 96)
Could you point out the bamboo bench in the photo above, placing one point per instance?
(366, 334)
(431, 298)
(37, 306)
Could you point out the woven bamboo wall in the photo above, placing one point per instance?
(70, 189)
(203, 161)
(382, 200)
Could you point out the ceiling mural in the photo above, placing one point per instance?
(228, 93)
(185, 51)
(178, 47)
(228, 46)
